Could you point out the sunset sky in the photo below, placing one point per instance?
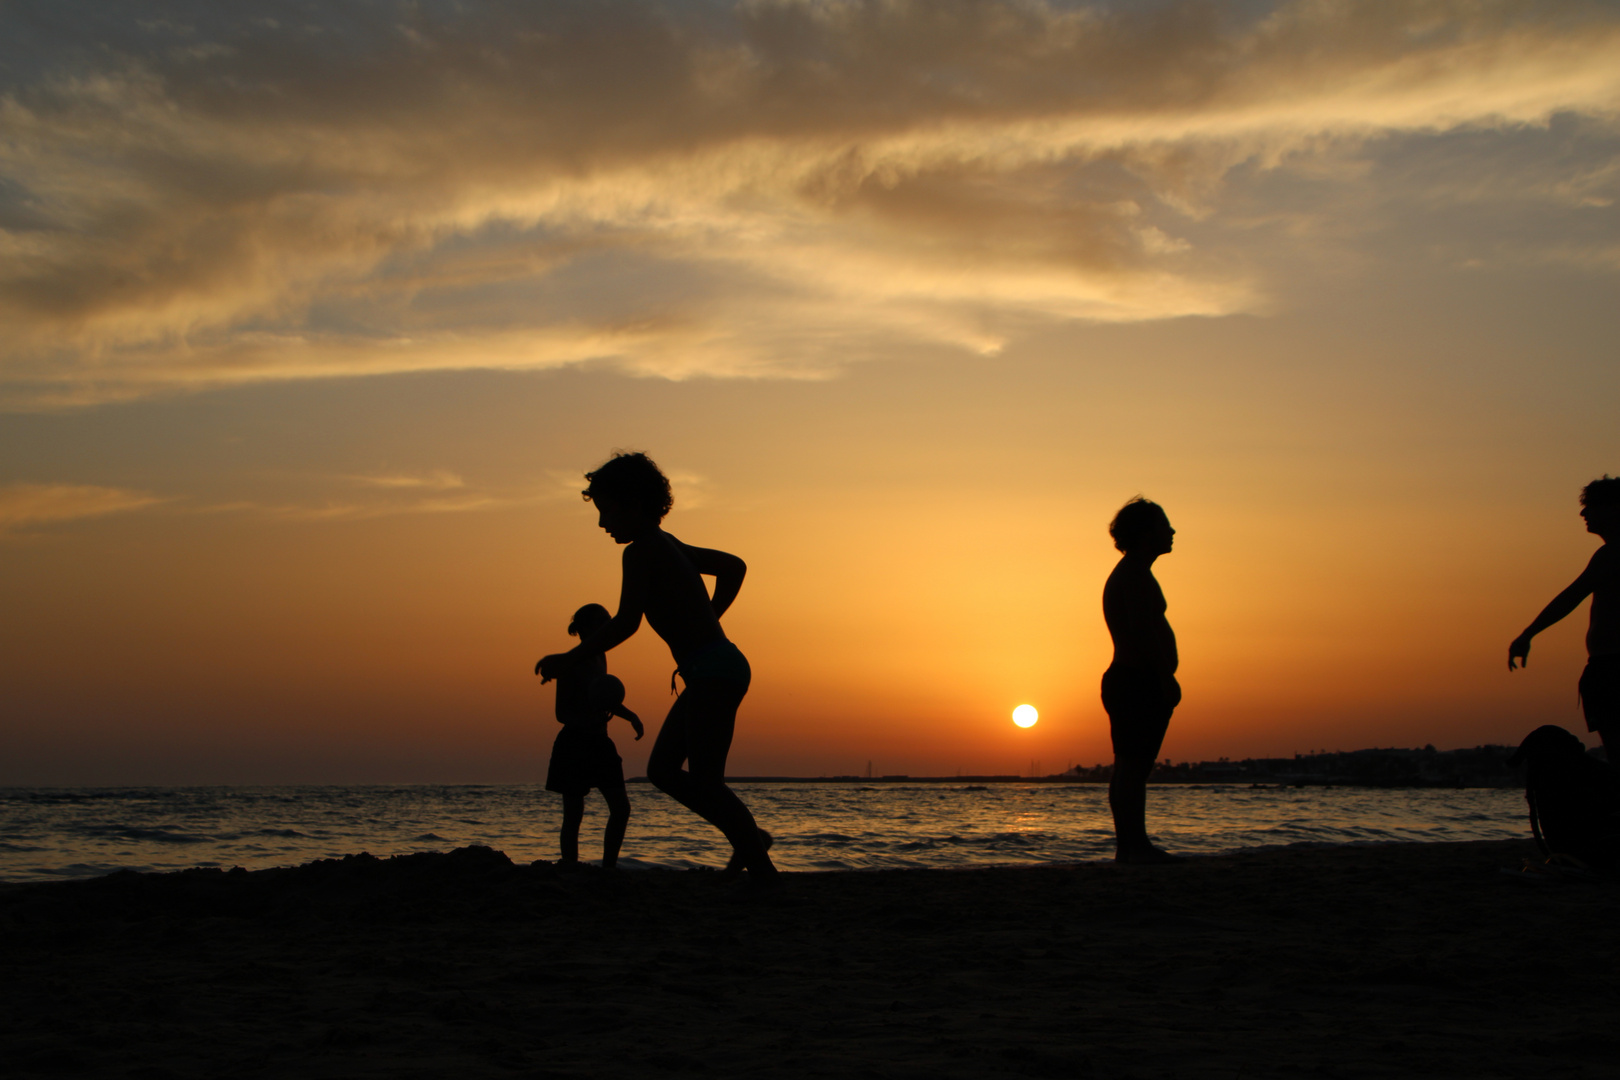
(312, 315)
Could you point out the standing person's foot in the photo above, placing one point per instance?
(735, 865)
(1148, 856)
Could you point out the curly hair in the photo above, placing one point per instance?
(1604, 491)
(1133, 520)
(633, 479)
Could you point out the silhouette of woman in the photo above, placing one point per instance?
(663, 581)
(584, 756)
(1139, 689)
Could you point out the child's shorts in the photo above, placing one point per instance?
(584, 757)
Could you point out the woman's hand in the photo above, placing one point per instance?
(554, 666)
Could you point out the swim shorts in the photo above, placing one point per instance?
(721, 660)
(1139, 704)
(1600, 693)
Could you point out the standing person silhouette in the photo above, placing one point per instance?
(1600, 683)
(1139, 689)
(663, 580)
(584, 756)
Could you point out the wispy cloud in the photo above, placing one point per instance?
(359, 510)
(27, 506)
(436, 480)
(232, 194)
(367, 496)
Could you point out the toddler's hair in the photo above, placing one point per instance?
(632, 479)
(1133, 520)
(1604, 491)
(587, 615)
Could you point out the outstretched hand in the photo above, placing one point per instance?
(1520, 651)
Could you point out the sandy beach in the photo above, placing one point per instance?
(1392, 960)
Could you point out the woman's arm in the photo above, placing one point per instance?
(625, 622)
(1561, 605)
(632, 604)
(727, 570)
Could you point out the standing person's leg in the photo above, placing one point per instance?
(1600, 702)
(1127, 799)
(618, 804)
(699, 730)
(1138, 716)
(573, 814)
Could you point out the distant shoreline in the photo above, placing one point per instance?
(1376, 767)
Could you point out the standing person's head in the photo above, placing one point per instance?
(1142, 526)
(588, 620)
(1600, 506)
(631, 495)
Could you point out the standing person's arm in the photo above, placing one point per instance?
(625, 622)
(727, 570)
(1561, 605)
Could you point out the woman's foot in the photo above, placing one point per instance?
(755, 888)
(1148, 856)
(735, 865)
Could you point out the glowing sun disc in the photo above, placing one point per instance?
(1025, 716)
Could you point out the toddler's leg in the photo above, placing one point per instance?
(618, 804)
(573, 814)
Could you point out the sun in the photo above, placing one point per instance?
(1025, 716)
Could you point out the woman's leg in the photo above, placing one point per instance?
(699, 730)
(573, 814)
(618, 804)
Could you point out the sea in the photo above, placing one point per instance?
(49, 834)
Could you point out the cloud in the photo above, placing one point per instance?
(355, 510)
(27, 506)
(436, 480)
(225, 194)
(436, 491)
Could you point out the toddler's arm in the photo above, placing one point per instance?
(635, 721)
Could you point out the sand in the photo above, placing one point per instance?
(1388, 960)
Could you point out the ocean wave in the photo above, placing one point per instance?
(83, 832)
(131, 832)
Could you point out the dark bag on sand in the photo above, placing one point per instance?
(1574, 798)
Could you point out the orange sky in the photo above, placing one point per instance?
(304, 365)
